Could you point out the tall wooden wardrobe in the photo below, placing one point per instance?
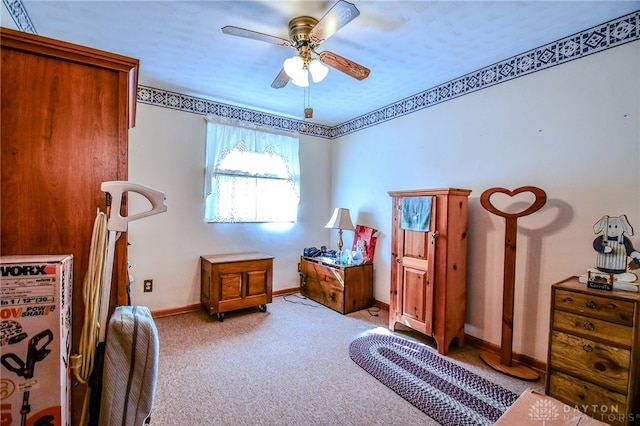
(66, 111)
(429, 266)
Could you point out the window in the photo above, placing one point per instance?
(252, 175)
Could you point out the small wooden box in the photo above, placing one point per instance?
(235, 281)
(343, 288)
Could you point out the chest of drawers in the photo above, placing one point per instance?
(342, 288)
(594, 353)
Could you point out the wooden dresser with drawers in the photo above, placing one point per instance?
(343, 288)
(594, 351)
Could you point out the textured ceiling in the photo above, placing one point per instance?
(410, 46)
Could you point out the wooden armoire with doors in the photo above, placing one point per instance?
(429, 263)
(66, 111)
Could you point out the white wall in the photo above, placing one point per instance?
(166, 152)
(572, 130)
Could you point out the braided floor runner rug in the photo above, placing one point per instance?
(446, 392)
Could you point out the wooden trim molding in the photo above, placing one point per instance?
(286, 291)
(36, 44)
(161, 313)
(381, 305)
(536, 364)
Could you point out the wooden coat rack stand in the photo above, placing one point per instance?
(504, 362)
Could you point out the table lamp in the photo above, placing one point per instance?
(340, 220)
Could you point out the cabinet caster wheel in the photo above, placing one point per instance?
(262, 308)
(220, 316)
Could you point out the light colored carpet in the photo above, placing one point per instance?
(287, 366)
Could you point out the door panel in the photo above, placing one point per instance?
(415, 244)
(415, 289)
(415, 292)
(256, 282)
(230, 286)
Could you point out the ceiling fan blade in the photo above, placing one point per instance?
(281, 80)
(348, 67)
(337, 17)
(241, 32)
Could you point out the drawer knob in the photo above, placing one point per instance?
(591, 304)
(587, 348)
(589, 325)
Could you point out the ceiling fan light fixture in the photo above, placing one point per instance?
(301, 80)
(294, 67)
(318, 70)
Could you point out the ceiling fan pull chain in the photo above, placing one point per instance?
(308, 111)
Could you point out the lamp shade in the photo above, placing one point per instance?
(318, 70)
(302, 80)
(341, 219)
(294, 67)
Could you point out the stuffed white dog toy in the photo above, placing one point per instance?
(614, 248)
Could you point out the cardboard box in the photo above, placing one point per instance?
(535, 408)
(35, 308)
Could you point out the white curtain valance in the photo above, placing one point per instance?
(238, 149)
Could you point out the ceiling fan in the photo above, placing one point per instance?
(305, 35)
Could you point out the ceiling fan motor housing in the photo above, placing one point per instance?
(299, 29)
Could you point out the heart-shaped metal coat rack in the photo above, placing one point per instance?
(505, 363)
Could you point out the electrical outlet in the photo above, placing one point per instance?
(148, 286)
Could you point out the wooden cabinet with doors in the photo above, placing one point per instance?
(66, 110)
(229, 282)
(429, 266)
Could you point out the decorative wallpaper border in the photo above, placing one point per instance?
(167, 99)
(593, 40)
(20, 16)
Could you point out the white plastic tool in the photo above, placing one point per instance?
(117, 224)
(118, 187)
